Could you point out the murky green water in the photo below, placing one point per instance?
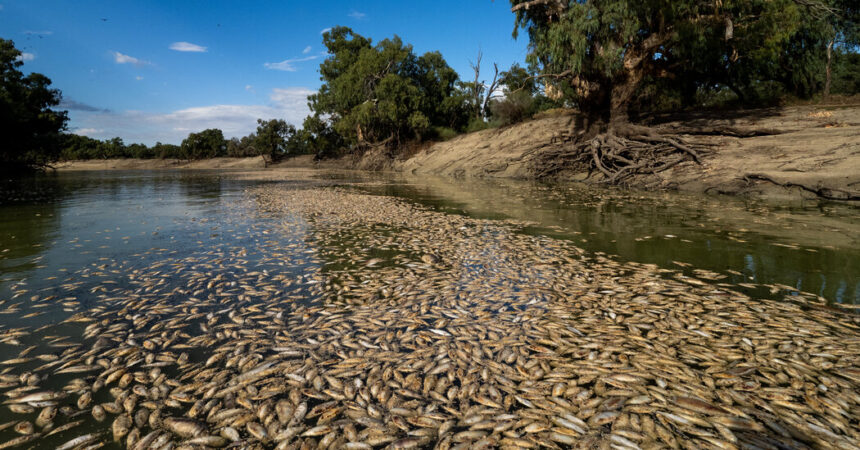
(63, 238)
(811, 246)
(64, 222)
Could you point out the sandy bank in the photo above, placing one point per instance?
(816, 154)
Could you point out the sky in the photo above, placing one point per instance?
(157, 70)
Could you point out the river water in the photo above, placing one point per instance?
(63, 236)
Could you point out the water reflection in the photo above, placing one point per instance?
(813, 247)
(72, 219)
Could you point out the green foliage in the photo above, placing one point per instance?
(518, 78)
(320, 137)
(442, 133)
(478, 124)
(522, 99)
(605, 53)
(31, 130)
(273, 136)
(846, 73)
(165, 151)
(242, 147)
(372, 93)
(208, 143)
(514, 108)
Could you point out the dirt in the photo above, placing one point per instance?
(816, 154)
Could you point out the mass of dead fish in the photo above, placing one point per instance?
(393, 326)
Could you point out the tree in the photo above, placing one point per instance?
(379, 94)
(320, 138)
(30, 129)
(601, 54)
(481, 93)
(272, 137)
(205, 144)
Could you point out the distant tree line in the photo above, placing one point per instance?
(274, 139)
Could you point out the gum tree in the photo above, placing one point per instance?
(30, 129)
(601, 53)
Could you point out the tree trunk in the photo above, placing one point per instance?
(827, 73)
(622, 95)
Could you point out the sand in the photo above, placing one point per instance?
(819, 148)
(816, 155)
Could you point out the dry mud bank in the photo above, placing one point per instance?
(816, 154)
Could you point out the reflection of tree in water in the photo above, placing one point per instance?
(716, 234)
(29, 218)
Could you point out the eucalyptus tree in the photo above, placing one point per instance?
(30, 128)
(600, 55)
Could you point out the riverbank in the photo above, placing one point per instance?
(815, 154)
(156, 164)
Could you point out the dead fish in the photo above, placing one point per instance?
(78, 441)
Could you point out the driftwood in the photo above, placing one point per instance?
(820, 191)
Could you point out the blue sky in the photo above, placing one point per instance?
(157, 70)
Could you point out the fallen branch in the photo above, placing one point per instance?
(726, 131)
(823, 192)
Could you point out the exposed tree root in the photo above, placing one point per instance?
(619, 153)
(823, 192)
(625, 150)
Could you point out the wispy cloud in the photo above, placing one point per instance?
(306, 50)
(38, 33)
(287, 65)
(357, 15)
(325, 30)
(138, 78)
(73, 105)
(187, 47)
(289, 104)
(24, 57)
(87, 131)
(120, 58)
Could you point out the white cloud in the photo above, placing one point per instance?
(138, 78)
(289, 104)
(325, 30)
(287, 64)
(357, 15)
(87, 131)
(120, 58)
(187, 47)
(306, 50)
(24, 57)
(38, 33)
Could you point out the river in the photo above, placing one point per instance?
(67, 239)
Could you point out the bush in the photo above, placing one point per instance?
(514, 108)
(476, 124)
(442, 133)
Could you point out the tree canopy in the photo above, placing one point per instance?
(208, 143)
(31, 130)
(372, 93)
(602, 53)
